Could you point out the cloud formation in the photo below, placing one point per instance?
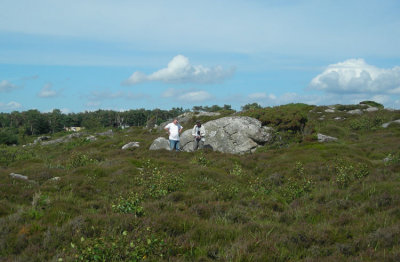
(355, 76)
(179, 70)
(6, 86)
(187, 95)
(47, 91)
(10, 106)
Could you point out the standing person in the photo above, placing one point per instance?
(198, 132)
(174, 129)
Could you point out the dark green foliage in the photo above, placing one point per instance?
(291, 117)
(8, 136)
(372, 103)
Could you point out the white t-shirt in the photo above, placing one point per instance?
(173, 131)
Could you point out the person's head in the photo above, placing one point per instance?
(198, 123)
(175, 121)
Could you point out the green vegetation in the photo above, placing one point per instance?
(293, 200)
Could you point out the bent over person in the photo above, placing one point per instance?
(199, 133)
(174, 129)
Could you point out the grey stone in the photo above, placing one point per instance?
(371, 109)
(91, 138)
(160, 143)
(355, 112)
(385, 125)
(324, 138)
(41, 138)
(107, 133)
(130, 145)
(330, 110)
(235, 135)
(18, 176)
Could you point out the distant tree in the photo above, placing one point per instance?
(251, 106)
(8, 136)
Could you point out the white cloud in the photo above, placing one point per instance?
(196, 96)
(6, 86)
(190, 95)
(10, 106)
(47, 91)
(179, 70)
(261, 96)
(356, 76)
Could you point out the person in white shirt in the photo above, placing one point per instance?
(174, 129)
(199, 133)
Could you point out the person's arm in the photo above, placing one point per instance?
(180, 129)
(166, 128)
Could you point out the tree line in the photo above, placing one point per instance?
(16, 126)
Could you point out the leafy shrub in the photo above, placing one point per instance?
(237, 170)
(291, 117)
(128, 205)
(123, 247)
(298, 185)
(346, 172)
(200, 160)
(392, 159)
(372, 103)
(156, 182)
(366, 123)
(79, 159)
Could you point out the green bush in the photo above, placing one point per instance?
(122, 247)
(291, 117)
(372, 103)
(129, 205)
(8, 136)
(366, 123)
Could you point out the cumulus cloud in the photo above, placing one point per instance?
(47, 91)
(356, 76)
(261, 96)
(191, 95)
(179, 70)
(6, 86)
(10, 106)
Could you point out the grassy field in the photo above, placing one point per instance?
(295, 199)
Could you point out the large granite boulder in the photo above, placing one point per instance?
(160, 143)
(235, 135)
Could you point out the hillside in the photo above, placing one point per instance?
(294, 199)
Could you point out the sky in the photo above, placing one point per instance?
(85, 55)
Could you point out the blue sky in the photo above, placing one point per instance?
(82, 55)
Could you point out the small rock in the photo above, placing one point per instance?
(91, 138)
(18, 176)
(355, 112)
(339, 118)
(324, 138)
(107, 133)
(130, 145)
(56, 178)
(330, 110)
(371, 109)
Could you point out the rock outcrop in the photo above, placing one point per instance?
(385, 125)
(235, 135)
